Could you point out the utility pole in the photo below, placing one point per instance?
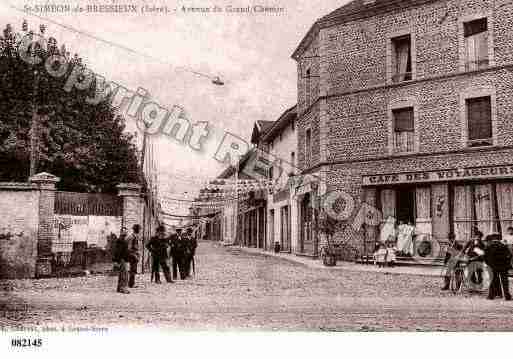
(144, 227)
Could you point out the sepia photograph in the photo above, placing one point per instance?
(285, 166)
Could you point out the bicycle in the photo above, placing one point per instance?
(469, 275)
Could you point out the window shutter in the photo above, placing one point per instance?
(403, 120)
(479, 118)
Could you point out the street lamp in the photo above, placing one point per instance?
(217, 81)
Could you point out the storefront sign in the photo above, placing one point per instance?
(492, 172)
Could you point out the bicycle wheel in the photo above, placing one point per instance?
(457, 278)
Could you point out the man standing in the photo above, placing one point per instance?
(190, 251)
(158, 248)
(121, 257)
(133, 248)
(178, 253)
(498, 257)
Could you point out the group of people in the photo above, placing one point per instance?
(179, 246)
(494, 250)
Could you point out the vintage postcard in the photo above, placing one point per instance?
(288, 165)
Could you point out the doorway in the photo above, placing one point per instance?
(405, 205)
(306, 223)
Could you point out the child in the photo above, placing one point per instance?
(391, 254)
(380, 256)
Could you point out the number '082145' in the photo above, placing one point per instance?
(26, 342)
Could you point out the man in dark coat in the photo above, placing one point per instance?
(133, 248)
(121, 257)
(158, 246)
(178, 249)
(498, 257)
(173, 252)
(190, 251)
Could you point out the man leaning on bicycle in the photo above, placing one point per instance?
(458, 255)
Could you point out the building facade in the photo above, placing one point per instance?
(280, 141)
(406, 106)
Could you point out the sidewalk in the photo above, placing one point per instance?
(420, 270)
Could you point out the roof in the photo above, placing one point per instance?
(278, 126)
(230, 170)
(259, 128)
(264, 125)
(354, 10)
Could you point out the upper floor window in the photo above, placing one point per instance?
(308, 147)
(476, 44)
(404, 130)
(479, 121)
(293, 161)
(271, 172)
(293, 125)
(401, 58)
(308, 86)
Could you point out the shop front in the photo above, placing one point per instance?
(422, 210)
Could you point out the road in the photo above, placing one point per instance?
(236, 290)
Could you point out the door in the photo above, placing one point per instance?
(271, 228)
(306, 224)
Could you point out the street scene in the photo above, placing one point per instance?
(354, 173)
(237, 290)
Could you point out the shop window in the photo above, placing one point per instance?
(486, 207)
(404, 131)
(401, 57)
(479, 120)
(476, 44)
(308, 147)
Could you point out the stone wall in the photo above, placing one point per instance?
(19, 219)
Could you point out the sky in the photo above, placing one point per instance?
(250, 52)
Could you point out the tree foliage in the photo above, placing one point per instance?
(85, 145)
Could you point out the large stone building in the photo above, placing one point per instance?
(406, 105)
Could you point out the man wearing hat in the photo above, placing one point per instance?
(177, 243)
(498, 257)
(158, 248)
(121, 257)
(133, 248)
(190, 251)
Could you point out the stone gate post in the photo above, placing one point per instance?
(45, 183)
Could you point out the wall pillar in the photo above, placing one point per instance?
(45, 184)
(133, 214)
(440, 211)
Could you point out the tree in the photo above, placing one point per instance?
(85, 145)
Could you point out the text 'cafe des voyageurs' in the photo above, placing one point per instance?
(439, 202)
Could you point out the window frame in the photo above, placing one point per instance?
(399, 105)
(308, 151)
(461, 39)
(476, 93)
(390, 53)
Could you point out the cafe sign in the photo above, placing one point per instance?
(459, 174)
